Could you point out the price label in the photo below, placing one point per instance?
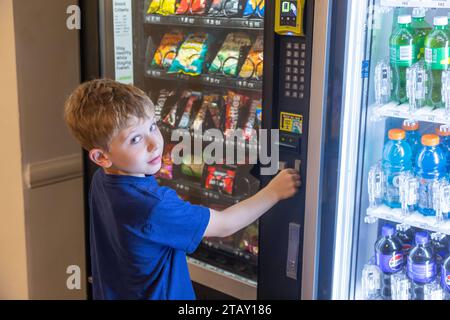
(416, 3)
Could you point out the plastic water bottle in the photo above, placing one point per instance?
(421, 264)
(444, 133)
(411, 128)
(421, 30)
(389, 257)
(436, 60)
(445, 276)
(406, 234)
(440, 246)
(396, 160)
(403, 54)
(431, 168)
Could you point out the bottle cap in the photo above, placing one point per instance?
(419, 12)
(387, 230)
(404, 19)
(396, 134)
(440, 21)
(422, 237)
(430, 140)
(410, 125)
(443, 131)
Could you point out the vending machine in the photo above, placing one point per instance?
(392, 227)
(236, 67)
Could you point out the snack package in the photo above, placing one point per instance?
(192, 167)
(225, 8)
(199, 120)
(254, 8)
(166, 171)
(233, 106)
(171, 118)
(215, 111)
(191, 7)
(253, 65)
(164, 94)
(186, 117)
(191, 55)
(220, 178)
(250, 123)
(167, 50)
(162, 7)
(249, 239)
(228, 57)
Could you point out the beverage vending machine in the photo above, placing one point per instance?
(392, 225)
(231, 67)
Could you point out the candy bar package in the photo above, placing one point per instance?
(215, 110)
(191, 55)
(161, 100)
(199, 120)
(225, 8)
(253, 65)
(220, 178)
(172, 117)
(230, 54)
(198, 7)
(162, 7)
(166, 171)
(234, 103)
(187, 116)
(167, 50)
(192, 168)
(254, 8)
(250, 125)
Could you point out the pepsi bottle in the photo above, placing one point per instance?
(445, 277)
(440, 246)
(389, 257)
(406, 234)
(421, 264)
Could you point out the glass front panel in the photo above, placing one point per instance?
(402, 237)
(201, 62)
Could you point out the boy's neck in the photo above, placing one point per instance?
(121, 173)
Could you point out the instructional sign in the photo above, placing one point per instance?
(123, 40)
(416, 3)
(291, 122)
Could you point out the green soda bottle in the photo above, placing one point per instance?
(421, 30)
(436, 60)
(402, 55)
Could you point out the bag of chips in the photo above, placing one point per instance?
(162, 7)
(254, 8)
(192, 167)
(233, 107)
(167, 50)
(164, 94)
(225, 8)
(229, 55)
(220, 178)
(197, 7)
(250, 123)
(166, 171)
(191, 55)
(253, 65)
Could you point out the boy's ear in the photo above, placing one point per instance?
(99, 157)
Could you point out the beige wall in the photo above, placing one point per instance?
(43, 60)
(13, 262)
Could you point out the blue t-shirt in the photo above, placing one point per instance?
(139, 236)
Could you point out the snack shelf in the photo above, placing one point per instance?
(402, 111)
(414, 219)
(194, 189)
(206, 21)
(246, 256)
(208, 80)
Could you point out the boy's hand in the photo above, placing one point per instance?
(285, 184)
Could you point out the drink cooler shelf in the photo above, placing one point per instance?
(207, 80)
(402, 111)
(414, 219)
(206, 21)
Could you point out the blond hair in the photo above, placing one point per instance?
(97, 110)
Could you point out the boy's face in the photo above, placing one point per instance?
(136, 150)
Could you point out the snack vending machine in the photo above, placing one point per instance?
(221, 70)
(392, 216)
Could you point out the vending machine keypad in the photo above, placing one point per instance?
(295, 55)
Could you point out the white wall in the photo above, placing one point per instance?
(47, 161)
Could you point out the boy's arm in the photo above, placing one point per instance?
(226, 222)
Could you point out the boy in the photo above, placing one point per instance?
(140, 232)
